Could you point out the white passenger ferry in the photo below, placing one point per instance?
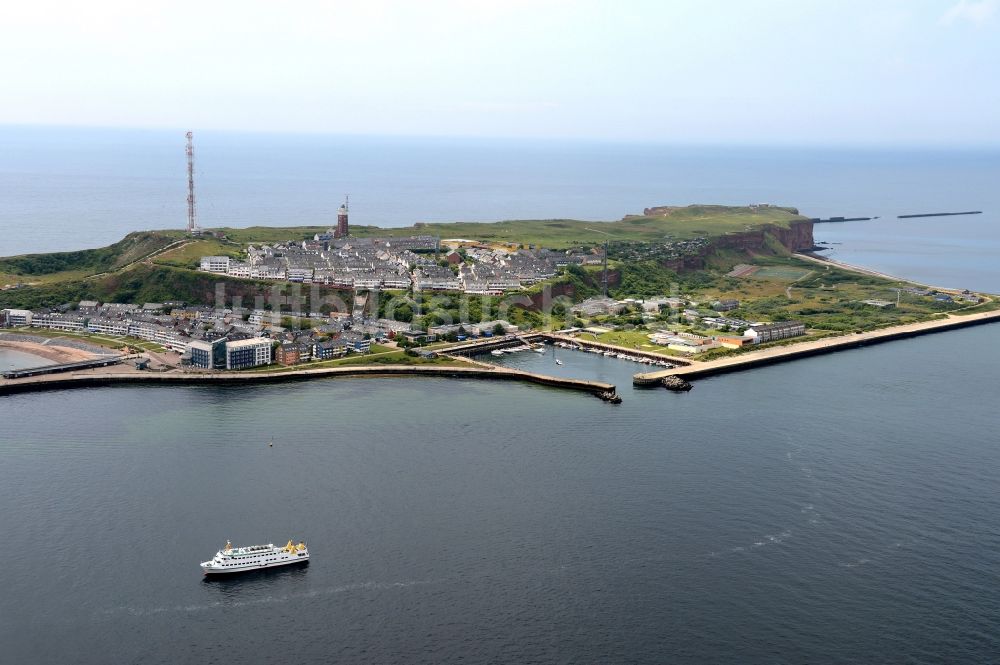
(240, 559)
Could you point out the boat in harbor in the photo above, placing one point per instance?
(254, 557)
(496, 352)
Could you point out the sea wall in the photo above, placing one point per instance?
(805, 349)
(92, 379)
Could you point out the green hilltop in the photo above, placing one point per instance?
(682, 223)
(161, 265)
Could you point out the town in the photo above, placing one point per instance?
(337, 259)
(203, 337)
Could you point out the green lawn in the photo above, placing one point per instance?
(189, 255)
(632, 339)
(97, 340)
(383, 357)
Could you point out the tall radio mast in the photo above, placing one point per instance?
(192, 226)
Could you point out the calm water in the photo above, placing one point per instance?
(836, 509)
(839, 509)
(11, 359)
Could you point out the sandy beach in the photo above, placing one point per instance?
(51, 352)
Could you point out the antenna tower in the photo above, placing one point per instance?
(605, 278)
(192, 226)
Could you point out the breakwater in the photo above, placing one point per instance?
(829, 220)
(806, 348)
(940, 214)
(605, 391)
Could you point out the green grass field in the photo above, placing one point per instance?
(681, 224)
(189, 255)
(786, 273)
(631, 339)
(96, 340)
(383, 356)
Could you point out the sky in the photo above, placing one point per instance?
(850, 72)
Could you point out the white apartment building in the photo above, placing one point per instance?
(219, 264)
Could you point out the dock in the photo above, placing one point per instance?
(94, 377)
(770, 356)
(58, 368)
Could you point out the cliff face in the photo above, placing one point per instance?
(796, 238)
(540, 301)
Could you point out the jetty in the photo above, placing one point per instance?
(104, 361)
(770, 356)
(832, 220)
(112, 376)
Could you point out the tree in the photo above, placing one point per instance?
(498, 329)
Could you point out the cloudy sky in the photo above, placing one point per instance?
(720, 71)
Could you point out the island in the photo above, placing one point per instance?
(691, 290)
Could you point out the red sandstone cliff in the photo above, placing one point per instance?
(796, 238)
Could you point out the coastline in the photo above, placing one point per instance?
(54, 353)
(816, 347)
(687, 368)
(115, 376)
(825, 260)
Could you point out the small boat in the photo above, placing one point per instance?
(496, 352)
(559, 362)
(254, 557)
(539, 349)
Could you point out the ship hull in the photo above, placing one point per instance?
(254, 566)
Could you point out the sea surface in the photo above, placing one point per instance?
(837, 509)
(14, 359)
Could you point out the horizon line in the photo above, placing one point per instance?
(520, 138)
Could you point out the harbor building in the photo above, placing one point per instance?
(208, 355)
(218, 264)
(248, 353)
(769, 332)
(289, 353)
(56, 321)
(17, 317)
(356, 342)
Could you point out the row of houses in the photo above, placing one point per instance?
(395, 264)
(99, 325)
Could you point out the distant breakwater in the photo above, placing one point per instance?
(837, 219)
(939, 214)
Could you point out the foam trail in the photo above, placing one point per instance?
(269, 600)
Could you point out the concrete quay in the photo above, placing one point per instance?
(803, 349)
(616, 348)
(115, 376)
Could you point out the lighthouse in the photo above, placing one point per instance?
(342, 220)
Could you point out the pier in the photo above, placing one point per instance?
(95, 377)
(27, 372)
(804, 349)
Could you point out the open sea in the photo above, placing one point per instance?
(838, 509)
